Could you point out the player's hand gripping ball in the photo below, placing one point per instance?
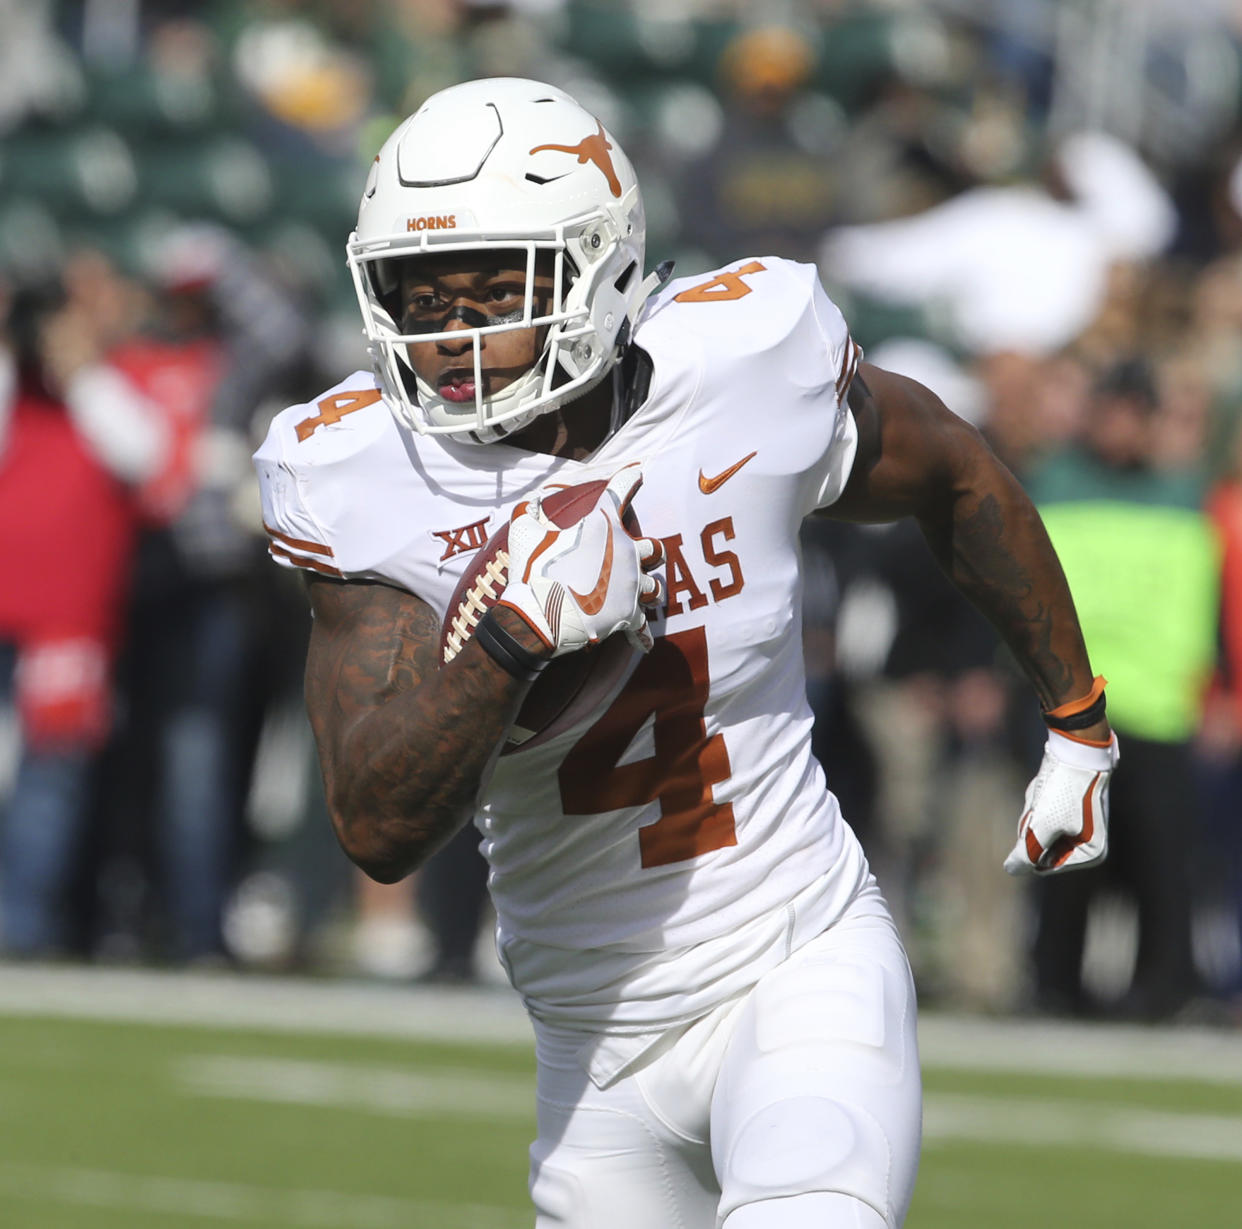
(573, 564)
(1064, 824)
(579, 582)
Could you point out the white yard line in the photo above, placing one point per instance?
(1130, 1052)
(1082, 1125)
(292, 1005)
(446, 1092)
(494, 1014)
(1029, 1122)
(178, 1198)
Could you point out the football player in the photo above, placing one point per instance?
(724, 1015)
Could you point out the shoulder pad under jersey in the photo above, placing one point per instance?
(306, 466)
(761, 310)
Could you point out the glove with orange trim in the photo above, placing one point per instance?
(579, 584)
(1064, 824)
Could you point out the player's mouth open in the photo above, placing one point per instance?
(457, 386)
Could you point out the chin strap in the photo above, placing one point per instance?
(631, 374)
(631, 380)
(653, 281)
(620, 385)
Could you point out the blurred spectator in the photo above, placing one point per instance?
(1221, 741)
(452, 898)
(221, 339)
(926, 691)
(1034, 405)
(312, 91)
(761, 187)
(1022, 267)
(38, 73)
(924, 694)
(1142, 562)
(1210, 342)
(78, 441)
(1180, 427)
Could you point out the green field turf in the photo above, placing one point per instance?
(111, 1123)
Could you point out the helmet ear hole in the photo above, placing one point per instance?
(627, 276)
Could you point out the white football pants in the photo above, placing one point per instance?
(797, 1106)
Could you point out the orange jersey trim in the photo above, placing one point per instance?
(277, 551)
(302, 544)
(849, 366)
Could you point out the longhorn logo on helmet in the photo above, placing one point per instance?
(591, 149)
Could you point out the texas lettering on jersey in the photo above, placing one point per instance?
(723, 568)
(701, 758)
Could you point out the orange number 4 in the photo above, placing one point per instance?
(333, 409)
(671, 684)
(721, 289)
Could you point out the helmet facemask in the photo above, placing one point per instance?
(583, 318)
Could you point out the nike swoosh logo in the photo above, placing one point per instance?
(593, 601)
(708, 485)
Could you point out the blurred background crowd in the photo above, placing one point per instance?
(1033, 206)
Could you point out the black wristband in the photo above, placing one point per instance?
(1077, 721)
(505, 651)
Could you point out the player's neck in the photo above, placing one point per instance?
(578, 429)
(575, 430)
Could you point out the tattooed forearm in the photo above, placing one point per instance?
(915, 458)
(999, 556)
(404, 746)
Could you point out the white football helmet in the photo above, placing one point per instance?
(513, 165)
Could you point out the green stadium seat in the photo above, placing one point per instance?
(607, 37)
(857, 52)
(31, 240)
(323, 192)
(72, 171)
(144, 102)
(224, 178)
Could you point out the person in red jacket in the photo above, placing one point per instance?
(76, 441)
(1220, 742)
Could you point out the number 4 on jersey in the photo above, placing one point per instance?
(333, 409)
(671, 685)
(723, 288)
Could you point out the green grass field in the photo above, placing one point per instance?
(365, 1115)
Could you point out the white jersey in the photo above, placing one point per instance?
(654, 860)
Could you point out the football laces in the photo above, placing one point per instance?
(474, 605)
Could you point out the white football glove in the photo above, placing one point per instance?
(577, 586)
(1064, 824)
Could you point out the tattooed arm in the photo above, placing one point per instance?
(404, 746)
(916, 458)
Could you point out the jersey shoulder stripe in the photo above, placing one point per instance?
(849, 367)
(300, 552)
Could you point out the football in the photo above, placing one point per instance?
(570, 687)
